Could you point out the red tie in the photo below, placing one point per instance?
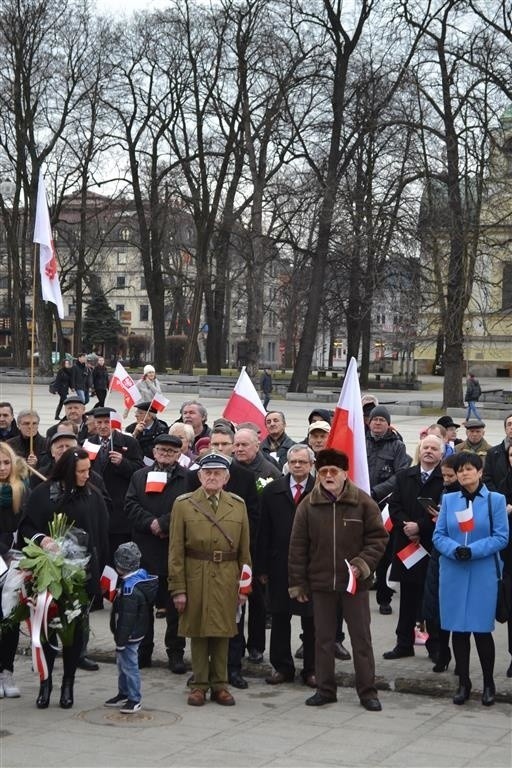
(297, 494)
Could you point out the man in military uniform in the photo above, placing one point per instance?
(208, 547)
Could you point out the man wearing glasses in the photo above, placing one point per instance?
(336, 543)
(149, 499)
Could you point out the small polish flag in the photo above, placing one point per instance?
(108, 582)
(122, 382)
(347, 431)
(386, 519)
(465, 518)
(245, 580)
(159, 402)
(245, 404)
(352, 581)
(116, 421)
(91, 448)
(412, 554)
(156, 482)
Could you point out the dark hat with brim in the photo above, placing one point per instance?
(173, 440)
(73, 399)
(474, 424)
(145, 405)
(214, 461)
(63, 436)
(447, 421)
(100, 413)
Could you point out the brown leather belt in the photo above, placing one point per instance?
(217, 556)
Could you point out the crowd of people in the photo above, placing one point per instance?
(183, 510)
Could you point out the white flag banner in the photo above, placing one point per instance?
(50, 287)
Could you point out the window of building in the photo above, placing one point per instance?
(4, 283)
(125, 233)
(71, 309)
(119, 309)
(506, 287)
(271, 351)
(121, 257)
(142, 283)
(144, 312)
(120, 281)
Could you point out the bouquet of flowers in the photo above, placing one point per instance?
(261, 482)
(46, 586)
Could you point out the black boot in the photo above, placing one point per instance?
(488, 693)
(45, 690)
(443, 660)
(463, 691)
(66, 692)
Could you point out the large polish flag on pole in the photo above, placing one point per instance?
(245, 404)
(50, 287)
(122, 382)
(347, 431)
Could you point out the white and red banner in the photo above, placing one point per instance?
(159, 402)
(245, 404)
(465, 518)
(352, 581)
(50, 286)
(347, 431)
(386, 519)
(116, 421)
(156, 482)
(412, 554)
(122, 382)
(91, 448)
(108, 582)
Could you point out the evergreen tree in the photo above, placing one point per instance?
(101, 327)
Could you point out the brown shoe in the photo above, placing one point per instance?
(196, 697)
(310, 681)
(223, 697)
(276, 678)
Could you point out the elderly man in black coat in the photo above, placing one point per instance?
(412, 509)
(116, 461)
(279, 500)
(148, 506)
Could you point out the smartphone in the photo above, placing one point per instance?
(426, 502)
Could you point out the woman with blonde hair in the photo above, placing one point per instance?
(13, 489)
(186, 434)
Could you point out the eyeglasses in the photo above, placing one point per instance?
(167, 451)
(324, 471)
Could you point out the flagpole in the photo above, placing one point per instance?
(32, 343)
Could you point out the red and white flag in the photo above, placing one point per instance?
(386, 519)
(50, 286)
(91, 448)
(156, 482)
(108, 582)
(122, 382)
(352, 581)
(245, 404)
(116, 421)
(412, 554)
(465, 518)
(347, 432)
(159, 402)
(245, 580)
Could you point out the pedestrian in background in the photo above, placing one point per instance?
(473, 392)
(266, 386)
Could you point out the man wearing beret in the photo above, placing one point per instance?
(146, 427)
(336, 542)
(148, 506)
(118, 458)
(208, 547)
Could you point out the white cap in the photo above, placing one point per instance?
(148, 369)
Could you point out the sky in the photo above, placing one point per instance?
(128, 6)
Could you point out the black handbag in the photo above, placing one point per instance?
(504, 597)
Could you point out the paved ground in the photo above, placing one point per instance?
(269, 726)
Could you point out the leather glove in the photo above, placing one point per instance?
(463, 553)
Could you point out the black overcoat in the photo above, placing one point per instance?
(142, 508)
(405, 507)
(277, 515)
